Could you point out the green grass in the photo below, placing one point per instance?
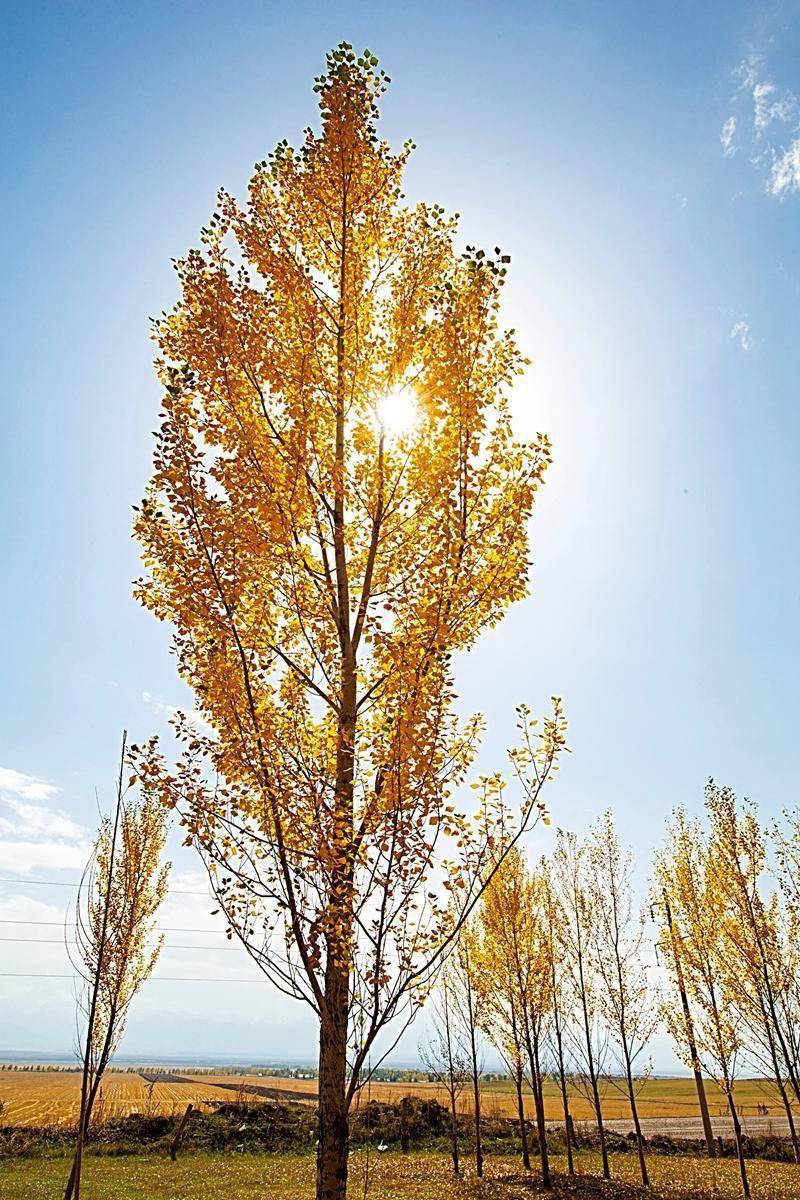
(417, 1176)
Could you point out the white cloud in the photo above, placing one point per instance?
(767, 110)
(749, 71)
(740, 332)
(36, 820)
(726, 137)
(767, 150)
(27, 910)
(170, 713)
(34, 835)
(24, 857)
(785, 175)
(27, 786)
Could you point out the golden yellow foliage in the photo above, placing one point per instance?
(321, 563)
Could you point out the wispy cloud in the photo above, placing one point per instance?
(39, 820)
(766, 109)
(740, 332)
(171, 713)
(785, 174)
(35, 835)
(28, 786)
(727, 136)
(763, 128)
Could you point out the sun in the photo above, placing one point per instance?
(398, 411)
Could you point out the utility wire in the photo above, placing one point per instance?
(74, 942)
(59, 925)
(159, 978)
(81, 886)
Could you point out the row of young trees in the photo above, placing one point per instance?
(727, 899)
(552, 972)
(560, 972)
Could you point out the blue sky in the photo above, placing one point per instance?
(641, 164)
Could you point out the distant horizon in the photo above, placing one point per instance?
(36, 1058)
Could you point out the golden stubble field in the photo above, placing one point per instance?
(51, 1097)
(41, 1098)
(658, 1097)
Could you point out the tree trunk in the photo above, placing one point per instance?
(737, 1133)
(70, 1188)
(790, 1119)
(598, 1111)
(562, 1079)
(636, 1125)
(73, 1187)
(88, 1103)
(476, 1099)
(692, 1045)
(454, 1134)
(600, 1129)
(540, 1122)
(780, 1084)
(334, 1125)
(700, 1087)
(532, 1046)
(523, 1128)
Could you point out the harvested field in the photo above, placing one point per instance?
(667, 1106)
(42, 1098)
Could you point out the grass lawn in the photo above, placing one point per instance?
(419, 1176)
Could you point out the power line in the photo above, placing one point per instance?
(153, 978)
(74, 942)
(59, 924)
(80, 886)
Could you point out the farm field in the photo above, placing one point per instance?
(41, 1098)
(666, 1105)
(391, 1177)
(660, 1098)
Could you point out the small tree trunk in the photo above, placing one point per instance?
(703, 1102)
(690, 1039)
(454, 1134)
(569, 1131)
(637, 1126)
(476, 1090)
(790, 1118)
(523, 1128)
(334, 1125)
(532, 1046)
(776, 1070)
(593, 1073)
(72, 1188)
(90, 1085)
(600, 1129)
(476, 1093)
(569, 1127)
(540, 1122)
(737, 1133)
(598, 1111)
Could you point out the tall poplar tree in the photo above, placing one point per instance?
(686, 871)
(321, 562)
